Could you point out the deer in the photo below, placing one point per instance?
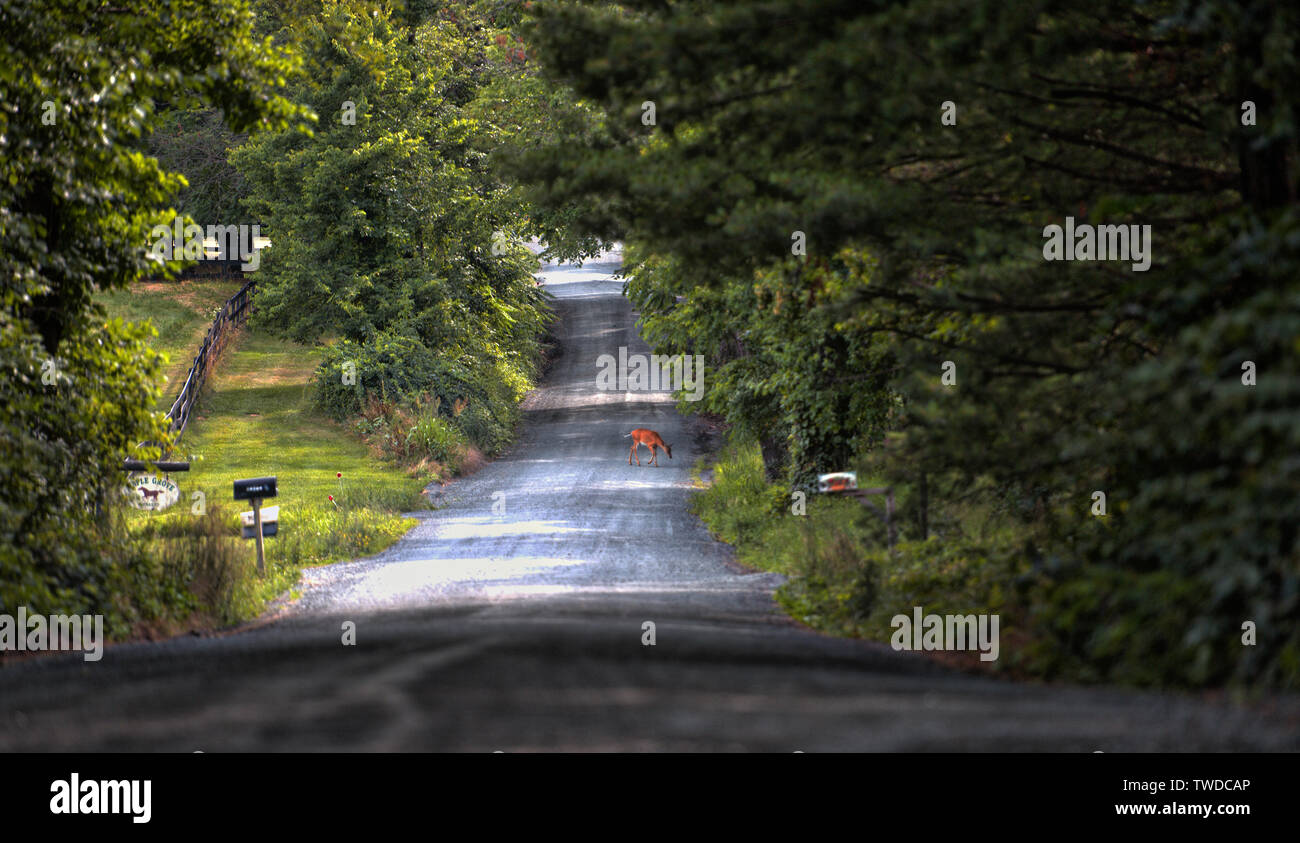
(652, 440)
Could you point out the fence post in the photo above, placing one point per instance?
(214, 341)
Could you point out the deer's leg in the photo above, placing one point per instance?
(654, 456)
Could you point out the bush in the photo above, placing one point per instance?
(435, 438)
(485, 429)
(397, 378)
(388, 367)
(844, 579)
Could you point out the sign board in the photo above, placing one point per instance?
(840, 481)
(270, 522)
(145, 491)
(141, 465)
(256, 487)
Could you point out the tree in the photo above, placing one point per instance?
(386, 217)
(942, 141)
(78, 197)
(389, 230)
(780, 368)
(197, 144)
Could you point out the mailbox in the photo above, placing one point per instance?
(270, 522)
(840, 481)
(255, 488)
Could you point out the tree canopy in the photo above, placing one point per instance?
(921, 151)
(80, 87)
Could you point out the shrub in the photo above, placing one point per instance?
(203, 557)
(435, 438)
(490, 431)
(388, 367)
(397, 378)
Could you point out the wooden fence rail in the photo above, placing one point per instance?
(233, 314)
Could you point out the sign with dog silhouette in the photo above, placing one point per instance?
(148, 492)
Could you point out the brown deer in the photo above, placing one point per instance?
(652, 440)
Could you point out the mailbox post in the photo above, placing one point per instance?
(255, 490)
(846, 483)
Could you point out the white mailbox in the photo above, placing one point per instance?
(840, 481)
(270, 522)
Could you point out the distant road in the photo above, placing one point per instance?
(521, 629)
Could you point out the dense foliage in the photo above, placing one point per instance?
(196, 143)
(920, 149)
(390, 234)
(393, 242)
(79, 82)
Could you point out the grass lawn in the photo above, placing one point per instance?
(181, 311)
(255, 418)
(844, 580)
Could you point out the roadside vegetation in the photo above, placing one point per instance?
(344, 485)
(257, 418)
(846, 209)
(397, 321)
(844, 579)
(80, 200)
(957, 552)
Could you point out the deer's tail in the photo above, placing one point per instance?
(626, 435)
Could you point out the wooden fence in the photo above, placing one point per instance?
(233, 314)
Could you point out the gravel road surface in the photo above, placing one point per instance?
(511, 618)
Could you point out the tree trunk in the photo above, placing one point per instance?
(775, 453)
(924, 507)
(1265, 177)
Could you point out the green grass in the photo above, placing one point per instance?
(843, 578)
(180, 311)
(255, 419)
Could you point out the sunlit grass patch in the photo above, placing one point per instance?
(256, 419)
(180, 311)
